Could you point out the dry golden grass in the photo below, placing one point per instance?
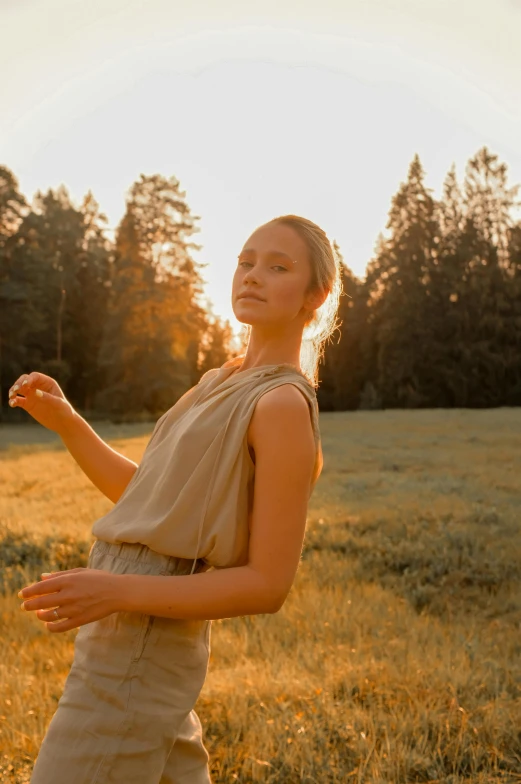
(396, 657)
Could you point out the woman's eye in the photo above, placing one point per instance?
(275, 266)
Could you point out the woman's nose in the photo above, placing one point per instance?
(251, 277)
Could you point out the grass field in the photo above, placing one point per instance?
(396, 657)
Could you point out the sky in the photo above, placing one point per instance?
(258, 109)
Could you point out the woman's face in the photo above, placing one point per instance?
(273, 265)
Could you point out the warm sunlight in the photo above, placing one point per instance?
(282, 546)
(257, 114)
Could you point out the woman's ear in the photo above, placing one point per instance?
(315, 300)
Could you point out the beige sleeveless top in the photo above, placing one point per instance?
(191, 496)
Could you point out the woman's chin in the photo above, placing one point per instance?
(247, 320)
(247, 316)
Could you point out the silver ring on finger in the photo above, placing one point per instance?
(56, 615)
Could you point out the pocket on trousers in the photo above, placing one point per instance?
(145, 628)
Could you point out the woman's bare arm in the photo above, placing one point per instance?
(106, 468)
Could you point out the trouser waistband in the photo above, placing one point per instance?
(135, 551)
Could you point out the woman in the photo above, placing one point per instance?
(209, 525)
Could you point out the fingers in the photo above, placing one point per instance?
(42, 588)
(21, 402)
(29, 381)
(65, 571)
(69, 618)
(63, 614)
(65, 626)
(39, 603)
(25, 386)
(22, 384)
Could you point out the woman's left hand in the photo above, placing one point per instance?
(79, 595)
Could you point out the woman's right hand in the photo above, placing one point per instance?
(43, 400)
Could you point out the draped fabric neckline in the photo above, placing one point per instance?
(234, 367)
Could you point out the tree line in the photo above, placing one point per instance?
(436, 321)
(119, 324)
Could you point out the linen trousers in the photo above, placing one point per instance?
(126, 715)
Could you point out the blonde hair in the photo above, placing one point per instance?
(325, 276)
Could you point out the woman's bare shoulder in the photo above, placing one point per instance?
(282, 411)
